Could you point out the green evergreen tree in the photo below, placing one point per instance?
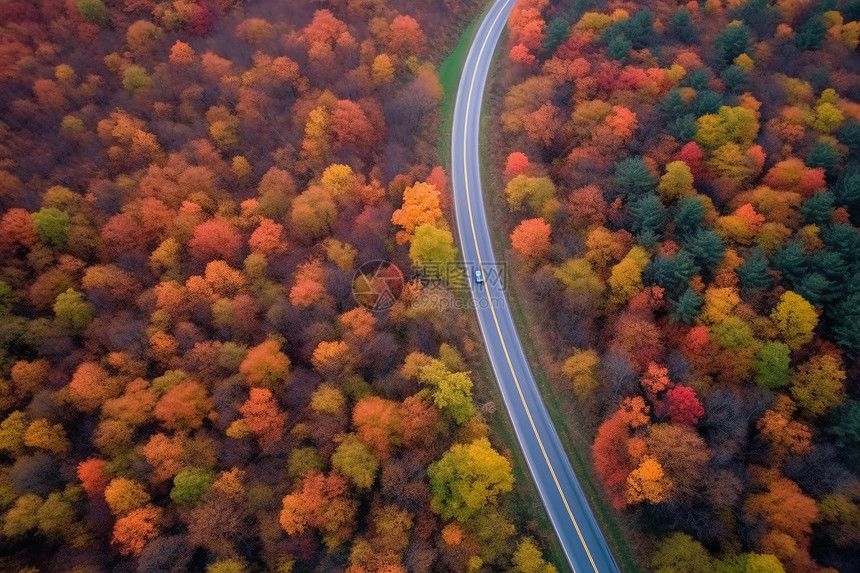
(619, 47)
(697, 79)
(557, 32)
(753, 271)
(843, 239)
(706, 247)
(791, 261)
(685, 266)
(811, 34)
(689, 215)
(816, 288)
(849, 134)
(824, 155)
(682, 27)
(735, 77)
(845, 320)
(683, 128)
(634, 178)
(733, 41)
(707, 101)
(687, 307)
(844, 428)
(816, 209)
(636, 29)
(673, 104)
(649, 215)
(660, 272)
(847, 189)
(7, 298)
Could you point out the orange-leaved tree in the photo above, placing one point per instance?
(531, 238)
(323, 503)
(421, 205)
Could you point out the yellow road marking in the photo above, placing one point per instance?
(493, 310)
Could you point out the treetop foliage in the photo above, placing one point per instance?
(696, 295)
(187, 192)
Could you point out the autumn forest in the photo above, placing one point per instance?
(680, 182)
(190, 189)
(187, 382)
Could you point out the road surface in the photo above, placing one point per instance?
(581, 538)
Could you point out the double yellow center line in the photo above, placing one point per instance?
(493, 310)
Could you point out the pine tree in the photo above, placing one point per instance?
(633, 177)
(753, 272)
(687, 307)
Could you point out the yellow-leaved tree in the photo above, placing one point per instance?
(528, 559)
(581, 368)
(468, 478)
(795, 318)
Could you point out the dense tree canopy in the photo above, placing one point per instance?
(188, 190)
(694, 304)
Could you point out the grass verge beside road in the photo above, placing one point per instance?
(450, 71)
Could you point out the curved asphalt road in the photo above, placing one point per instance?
(581, 538)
